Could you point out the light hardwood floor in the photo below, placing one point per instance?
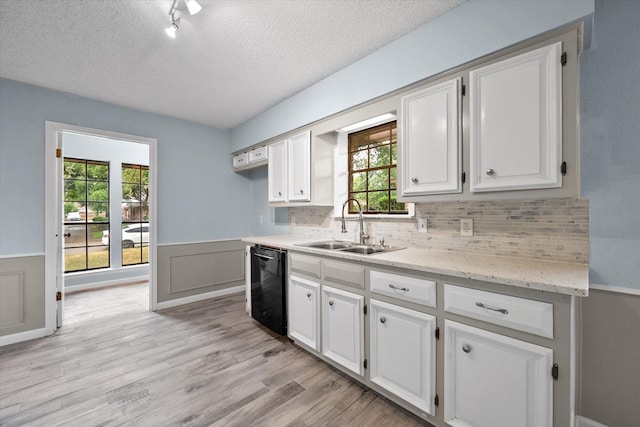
(206, 363)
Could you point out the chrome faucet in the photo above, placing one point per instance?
(363, 235)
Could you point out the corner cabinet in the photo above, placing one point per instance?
(278, 171)
(289, 173)
(403, 353)
(515, 118)
(431, 140)
(495, 381)
(299, 165)
(293, 180)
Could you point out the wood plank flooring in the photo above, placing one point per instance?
(202, 364)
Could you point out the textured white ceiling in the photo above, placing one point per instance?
(228, 63)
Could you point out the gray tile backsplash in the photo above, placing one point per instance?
(554, 229)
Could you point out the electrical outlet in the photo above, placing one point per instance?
(292, 220)
(422, 225)
(260, 219)
(466, 227)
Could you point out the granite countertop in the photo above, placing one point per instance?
(562, 278)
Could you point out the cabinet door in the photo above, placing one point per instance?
(495, 381)
(516, 122)
(300, 167)
(277, 173)
(303, 313)
(403, 353)
(430, 141)
(343, 328)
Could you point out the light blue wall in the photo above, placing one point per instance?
(265, 219)
(472, 30)
(199, 196)
(610, 143)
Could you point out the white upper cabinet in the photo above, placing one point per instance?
(299, 162)
(430, 141)
(516, 122)
(277, 173)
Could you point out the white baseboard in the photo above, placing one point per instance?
(24, 336)
(105, 284)
(199, 297)
(586, 422)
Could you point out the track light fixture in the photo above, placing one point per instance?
(192, 6)
(171, 30)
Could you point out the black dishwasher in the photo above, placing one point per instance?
(268, 296)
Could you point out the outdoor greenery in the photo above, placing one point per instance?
(98, 259)
(135, 192)
(86, 182)
(373, 158)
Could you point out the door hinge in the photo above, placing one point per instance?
(58, 296)
(365, 363)
(365, 309)
(463, 91)
(58, 152)
(563, 168)
(563, 59)
(464, 177)
(436, 400)
(554, 372)
(437, 332)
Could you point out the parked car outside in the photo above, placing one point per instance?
(132, 235)
(74, 216)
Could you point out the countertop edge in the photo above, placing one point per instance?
(569, 287)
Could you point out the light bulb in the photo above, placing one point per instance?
(171, 31)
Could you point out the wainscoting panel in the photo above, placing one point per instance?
(190, 269)
(21, 294)
(11, 299)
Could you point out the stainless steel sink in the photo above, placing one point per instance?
(341, 246)
(332, 245)
(370, 249)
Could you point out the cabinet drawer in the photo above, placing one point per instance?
(344, 273)
(257, 154)
(513, 312)
(240, 160)
(305, 264)
(405, 288)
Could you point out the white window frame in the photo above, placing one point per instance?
(341, 167)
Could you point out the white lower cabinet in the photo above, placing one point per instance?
(492, 380)
(403, 353)
(343, 328)
(303, 298)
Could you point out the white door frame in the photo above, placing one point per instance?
(53, 213)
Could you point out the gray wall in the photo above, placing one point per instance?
(193, 269)
(611, 358)
(21, 280)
